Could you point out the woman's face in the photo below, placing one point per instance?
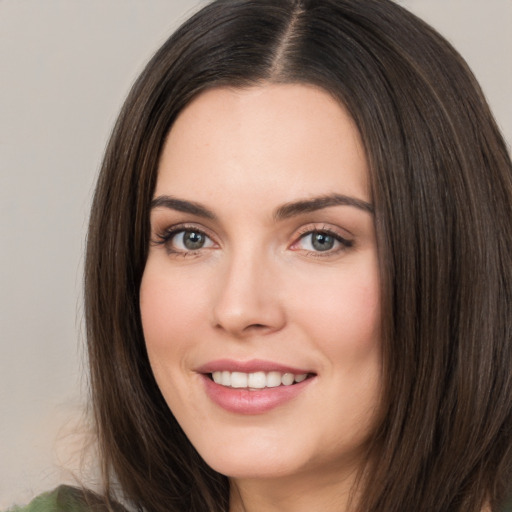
(262, 275)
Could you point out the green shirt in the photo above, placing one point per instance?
(71, 499)
(66, 499)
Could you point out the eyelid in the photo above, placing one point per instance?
(165, 235)
(182, 226)
(322, 227)
(309, 229)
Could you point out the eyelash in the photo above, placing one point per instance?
(165, 237)
(310, 230)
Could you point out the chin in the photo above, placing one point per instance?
(256, 468)
(262, 455)
(251, 456)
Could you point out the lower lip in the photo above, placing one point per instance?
(244, 401)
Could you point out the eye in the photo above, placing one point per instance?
(318, 241)
(185, 241)
(321, 241)
(190, 240)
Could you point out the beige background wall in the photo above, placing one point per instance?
(65, 67)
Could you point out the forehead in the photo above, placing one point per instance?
(274, 137)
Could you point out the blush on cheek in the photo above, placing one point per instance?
(156, 307)
(343, 316)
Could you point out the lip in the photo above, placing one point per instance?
(250, 402)
(254, 365)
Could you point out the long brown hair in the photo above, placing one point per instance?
(442, 189)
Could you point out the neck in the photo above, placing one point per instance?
(300, 493)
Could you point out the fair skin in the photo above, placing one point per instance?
(263, 265)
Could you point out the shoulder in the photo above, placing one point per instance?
(507, 507)
(67, 499)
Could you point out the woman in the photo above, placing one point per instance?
(299, 270)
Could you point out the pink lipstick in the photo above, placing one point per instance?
(253, 387)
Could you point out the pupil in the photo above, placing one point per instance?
(193, 240)
(322, 242)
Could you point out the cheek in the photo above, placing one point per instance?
(343, 310)
(169, 310)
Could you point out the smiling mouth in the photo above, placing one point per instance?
(256, 380)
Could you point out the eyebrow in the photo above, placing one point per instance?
(318, 203)
(285, 211)
(182, 205)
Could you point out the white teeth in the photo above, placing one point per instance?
(226, 378)
(287, 379)
(273, 379)
(256, 380)
(238, 380)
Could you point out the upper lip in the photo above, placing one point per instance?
(254, 365)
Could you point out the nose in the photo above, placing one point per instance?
(248, 299)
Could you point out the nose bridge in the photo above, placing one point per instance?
(246, 297)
